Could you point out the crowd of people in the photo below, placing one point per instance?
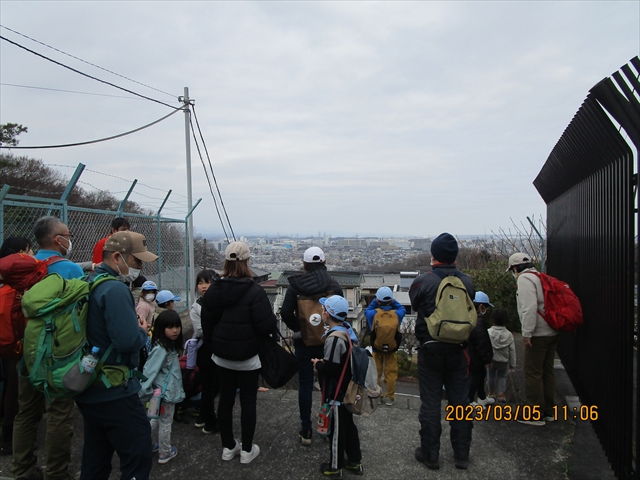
(137, 324)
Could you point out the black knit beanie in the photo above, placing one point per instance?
(444, 248)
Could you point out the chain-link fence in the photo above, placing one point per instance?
(168, 237)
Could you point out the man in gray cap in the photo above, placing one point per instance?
(540, 340)
(440, 363)
(114, 418)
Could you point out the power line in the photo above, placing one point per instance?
(84, 74)
(68, 91)
(215, 202)
(88, 63)
(99, 140)
(212, 174)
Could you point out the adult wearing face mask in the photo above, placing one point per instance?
(54, 239)
(114, 416)
(540, 340)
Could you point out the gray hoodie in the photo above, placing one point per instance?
(504, 348)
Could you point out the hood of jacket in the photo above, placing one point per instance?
(500, 336)
(311, 283)
(228, 291)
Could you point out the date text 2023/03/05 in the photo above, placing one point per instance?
(519, 412)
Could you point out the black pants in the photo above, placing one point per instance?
(446, 366)
(247, 382)
(210, 387)
(344, 438)
(477, 377)
(121, 426)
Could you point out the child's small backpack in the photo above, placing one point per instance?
(455, 316)
(310, 317)
(363, 392)
(562, 307)
(191, 381)
(385, 334)
(19, 272)
(55, 339)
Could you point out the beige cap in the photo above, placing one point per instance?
(518, 259)
(237, 251)
(132, 243)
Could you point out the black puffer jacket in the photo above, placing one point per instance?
(236, 314)
(314, 282)
(480, 349)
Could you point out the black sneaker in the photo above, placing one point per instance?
(305, 437)
(433, 465)
(326, 470)
(209, 429)
(355, 468)
(462, 464)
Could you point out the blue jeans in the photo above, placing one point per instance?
(121, 426)
(305, 379)
(438, 367)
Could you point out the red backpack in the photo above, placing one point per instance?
(19, 273)
(562, 306)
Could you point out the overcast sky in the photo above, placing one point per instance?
(369, 118)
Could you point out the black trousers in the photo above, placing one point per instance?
(247, 382)
(210, 386)
(344, 438)
(446, 366)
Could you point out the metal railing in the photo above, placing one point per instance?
(588, 184)
(168, 237)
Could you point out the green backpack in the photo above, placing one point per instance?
(55, 338)
(455, 316)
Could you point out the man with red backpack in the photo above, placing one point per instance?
(54, 239)
(540, 339)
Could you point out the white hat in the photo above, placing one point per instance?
(237, 251)
(313, 255)
(518, 259)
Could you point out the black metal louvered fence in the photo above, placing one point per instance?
(589, 186)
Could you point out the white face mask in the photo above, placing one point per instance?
(68, 248)
(132, 275)
(150, 297)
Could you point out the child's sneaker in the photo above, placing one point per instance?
(355, 468)
(208, 429)
(305, 437)
(502, 398)
(326, 470)
(172, 453)
(231, 453)
(486, 401)
(247, 457)
(155, 448)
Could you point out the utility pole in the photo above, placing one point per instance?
(187, 137)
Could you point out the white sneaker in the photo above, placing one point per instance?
(473, 404)
(390, 401)
(486, 401)
(535, 423)
(549, 419)
(231, 453)
(247, 457)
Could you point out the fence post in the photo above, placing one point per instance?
(126, 197)
(189, 242)
(67, 191)
(3, 192)
(160, 239)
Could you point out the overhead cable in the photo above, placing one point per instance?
(215, 202)
(99, 140)
(212, 174)
(84, 74)
(84, 61)
(69, 91)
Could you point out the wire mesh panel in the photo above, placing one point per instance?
(165, 237)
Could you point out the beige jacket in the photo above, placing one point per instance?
(530, 298)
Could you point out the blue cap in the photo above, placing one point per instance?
(384, 294)
(149, 285)
(336, 306)
(165, 296)
(482, 297)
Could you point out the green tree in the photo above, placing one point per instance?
(9, 133)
